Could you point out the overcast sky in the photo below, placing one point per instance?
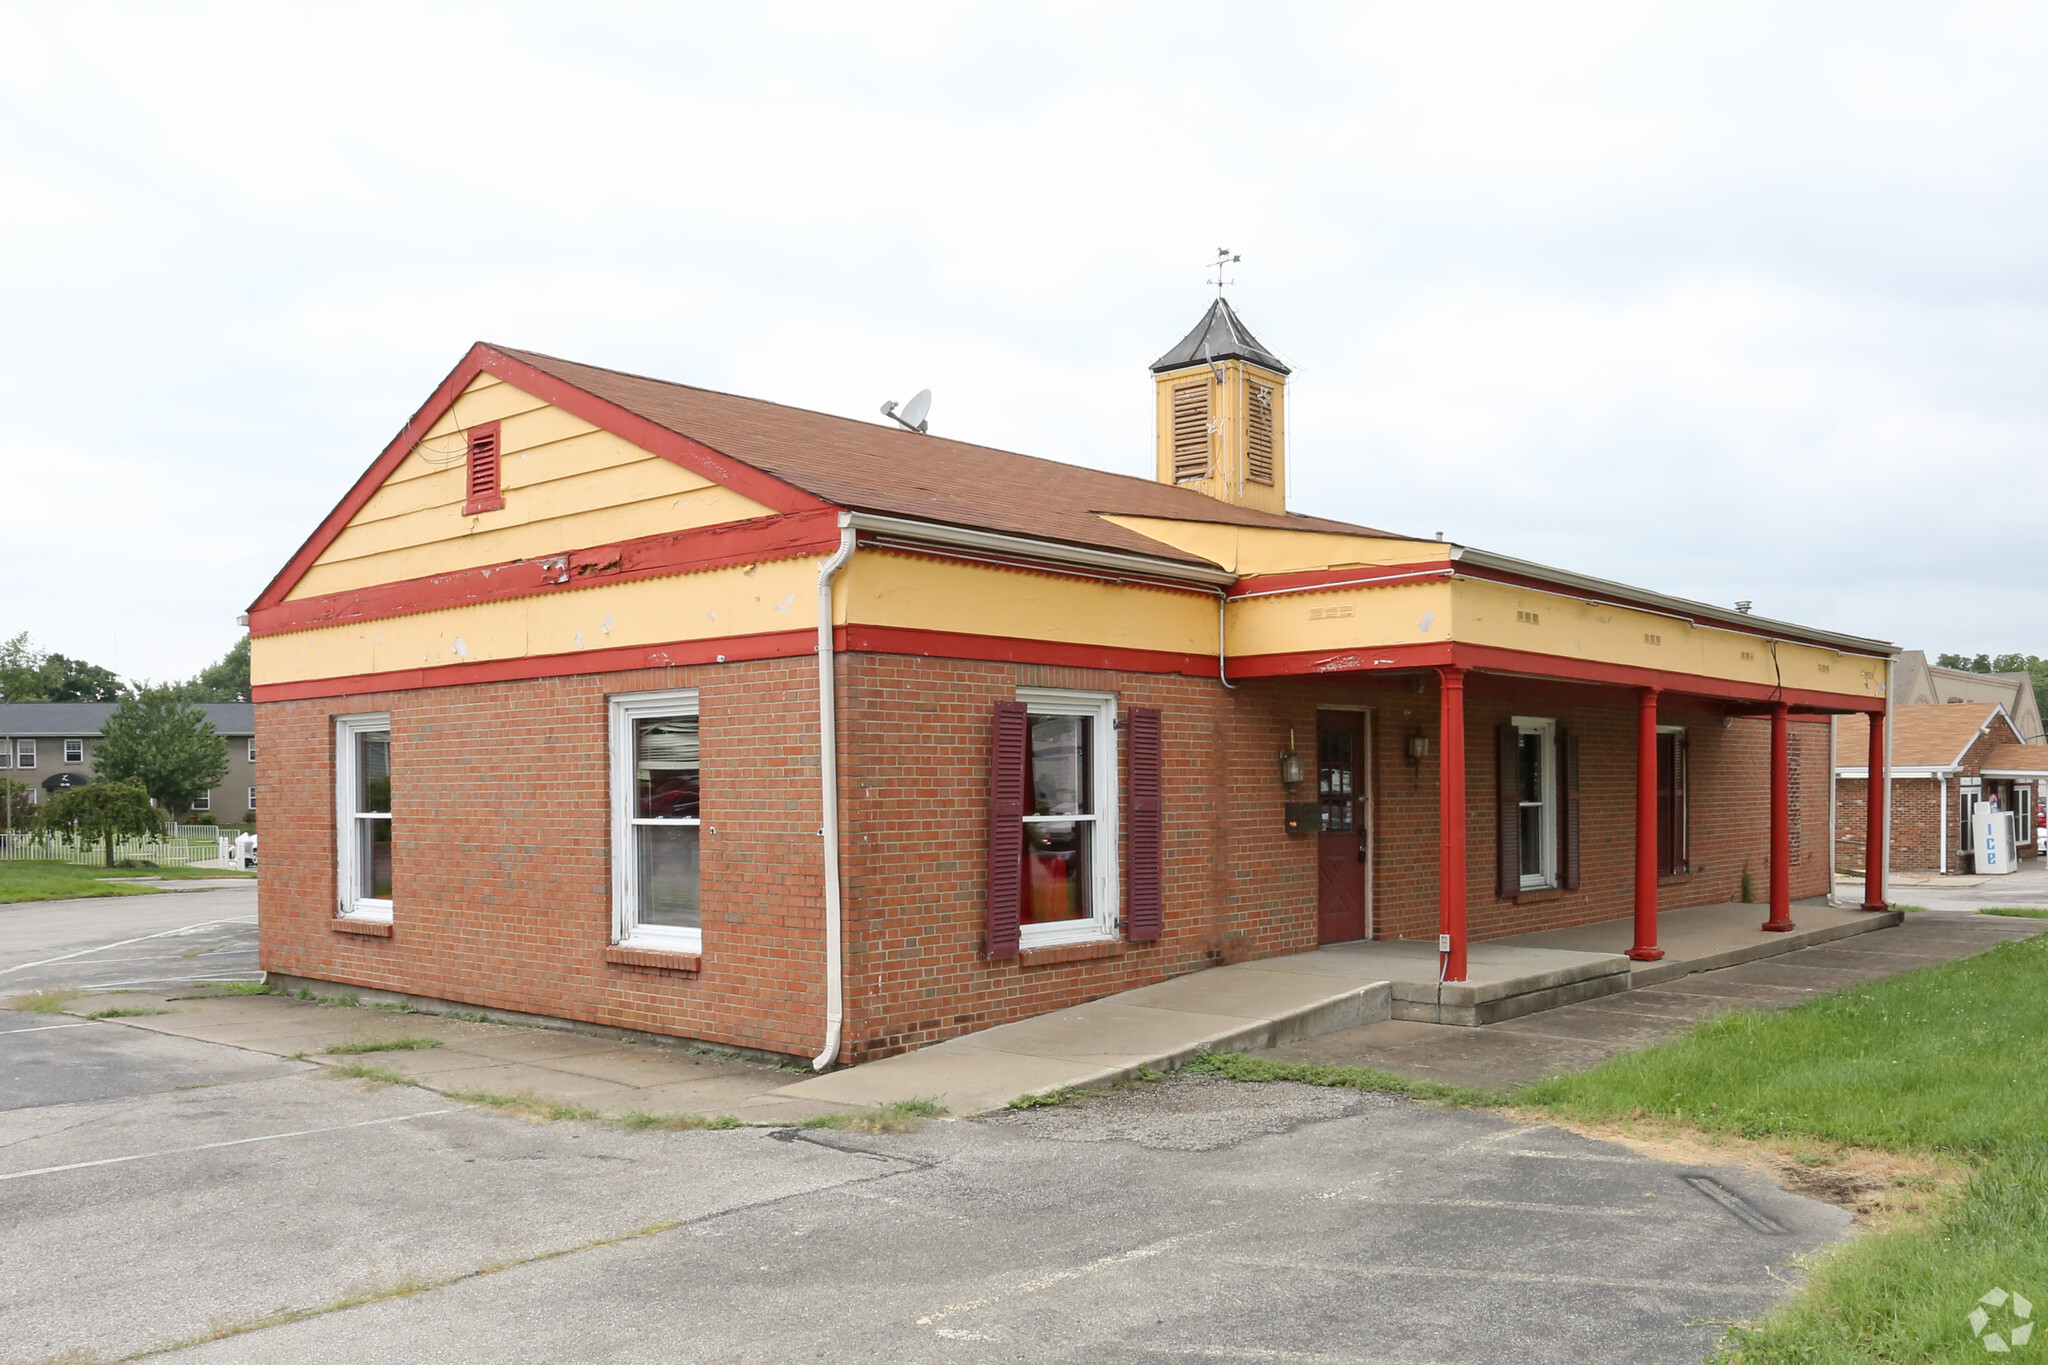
(1732, 301)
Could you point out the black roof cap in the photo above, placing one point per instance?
(1218, 336)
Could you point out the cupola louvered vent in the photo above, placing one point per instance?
(1258, 453)
(1191, 431)
(484, 492)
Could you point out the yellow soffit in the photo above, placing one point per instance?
(1269, 549)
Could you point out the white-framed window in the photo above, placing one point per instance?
(6, 753)
(2023, 813)
(1070, 885)
(362, 804)
(203, 801)
(74, 751)
(1537, 784)
(252, 798)
(252, 748)
(656, 887)
(24, 753)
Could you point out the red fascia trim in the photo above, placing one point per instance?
(778, 644)
(711, 547)
(1493, 659)
(1329, 580)
(648, 435)
(947, 644)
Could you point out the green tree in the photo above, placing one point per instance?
(103, 812)
(28, 674)
(227, 680)
(15, 812)
(157, 738)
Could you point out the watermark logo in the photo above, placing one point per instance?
(2001, 1321)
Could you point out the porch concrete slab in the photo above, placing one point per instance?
(1580, 1023)
(1709, 937)
(1503, 979)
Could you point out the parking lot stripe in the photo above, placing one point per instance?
(210, 1146)
(45, 1028)
(86, 952)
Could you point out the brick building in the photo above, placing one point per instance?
(621, 701)
(1945, 760)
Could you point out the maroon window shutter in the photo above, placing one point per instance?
(1006, 828)
(1568, 788)
(1145, 914)
(483, 492)
(1508, 804)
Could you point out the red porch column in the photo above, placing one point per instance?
(1877, 809)
(1450, 860)
(1781, 824)
(1646, 949)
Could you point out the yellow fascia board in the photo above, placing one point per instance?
(1511, 617)
(1263, 549)
(915, 593)
(750, 600)
(1355, 618)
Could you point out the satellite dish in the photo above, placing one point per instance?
(913, 415)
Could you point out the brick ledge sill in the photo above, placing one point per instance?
(1070, 952)
(658, 958)
(374, 928)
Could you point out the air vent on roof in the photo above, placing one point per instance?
(483, 489)
(1191, 431)
(1259, 435)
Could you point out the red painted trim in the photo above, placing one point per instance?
(1645, 948)
(778, 644)
(1330, 580)
(946, 644)
(1451, 820)
(1493, 659)
(1781, 825)
(710, 547)
(648, 435)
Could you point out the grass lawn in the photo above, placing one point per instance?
(2018, 912)
(1942, 1061)
(31, 880)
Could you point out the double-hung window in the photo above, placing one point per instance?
(74, 751)
(1537, 792)
(24, 753)
(1070, 885)
(252, 748)
(202, 802)
(362, 801)
(656, 888)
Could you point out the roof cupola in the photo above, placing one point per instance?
(1222, 428)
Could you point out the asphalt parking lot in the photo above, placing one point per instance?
(202, 931)
(157, 1191)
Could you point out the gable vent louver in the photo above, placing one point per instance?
(484, 491)
(1191, 431)
(1259, 435)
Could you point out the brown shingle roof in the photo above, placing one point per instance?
(2017, 758)
(1922, 736)
(873, 468)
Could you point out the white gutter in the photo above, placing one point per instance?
(1834, 848)
(828, 785)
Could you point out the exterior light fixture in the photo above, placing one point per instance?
(1291, 771)
(1417, 748)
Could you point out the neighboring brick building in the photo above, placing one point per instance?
(625, 702)
(1945, 759)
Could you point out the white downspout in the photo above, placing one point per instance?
(1222, 644)
(1942, 779)
(828, 784)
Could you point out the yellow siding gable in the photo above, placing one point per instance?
(568, 485)
(1267, 549)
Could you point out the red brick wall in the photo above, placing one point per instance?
(502, 847)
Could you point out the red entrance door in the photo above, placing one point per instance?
(1345, 838)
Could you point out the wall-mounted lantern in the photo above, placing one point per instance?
(1291, 771)
(1417, 748)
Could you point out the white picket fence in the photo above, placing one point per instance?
(164, 853)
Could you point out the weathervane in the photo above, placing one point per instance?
(1223, 258)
